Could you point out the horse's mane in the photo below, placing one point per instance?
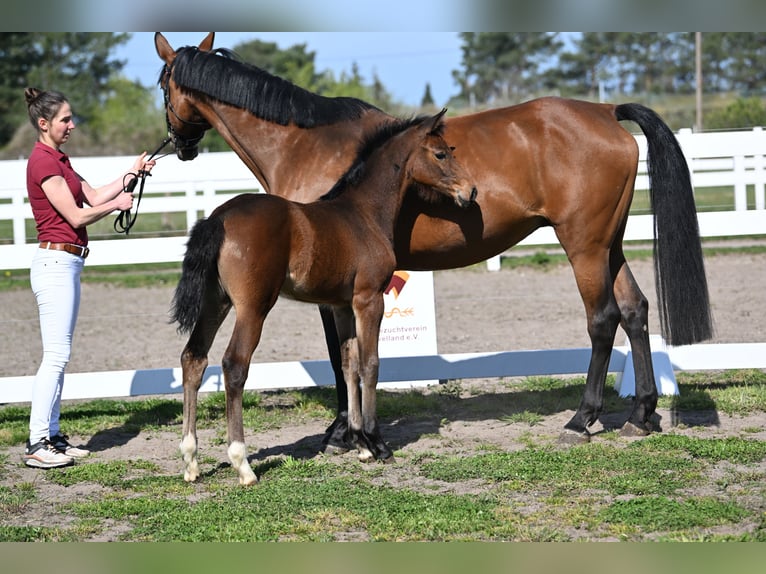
(221, 75)
(372, 141)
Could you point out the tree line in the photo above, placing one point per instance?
(118, 116)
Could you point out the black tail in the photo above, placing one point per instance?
(199, 272)
(679, 268)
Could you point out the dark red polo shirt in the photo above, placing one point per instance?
(45, 162)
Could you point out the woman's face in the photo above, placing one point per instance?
(58, 129)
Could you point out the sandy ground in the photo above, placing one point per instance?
(476, 310)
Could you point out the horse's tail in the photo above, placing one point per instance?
(679, 270)
(199, 272)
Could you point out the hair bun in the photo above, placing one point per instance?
(31, 94)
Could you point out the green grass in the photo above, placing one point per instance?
(668, 486)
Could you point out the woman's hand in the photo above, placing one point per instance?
(142, 165)
(124, 201)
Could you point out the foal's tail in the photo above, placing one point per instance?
(679, 269)
(199, 272)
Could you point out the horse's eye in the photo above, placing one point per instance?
(440, 155)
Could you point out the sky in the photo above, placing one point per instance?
(403, 61)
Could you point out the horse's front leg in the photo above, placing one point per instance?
(335, 440)
(369, 314)
(349, 351)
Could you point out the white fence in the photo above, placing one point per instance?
(733, 159)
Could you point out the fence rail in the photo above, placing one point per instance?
(730, 159)
(724, 159)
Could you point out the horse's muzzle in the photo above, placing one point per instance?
(187, 153)
(463, 202)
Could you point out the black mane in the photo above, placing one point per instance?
(368, 145)
(222, 76)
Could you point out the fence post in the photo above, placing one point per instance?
(191, 205)
(664, 377)
(19, 229)
(740, 187)
(760, 173)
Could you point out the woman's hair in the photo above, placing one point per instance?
(43, 104)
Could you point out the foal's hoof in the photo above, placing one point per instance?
(365, 455)
(630, 429)
(571, 437)
(332, 449)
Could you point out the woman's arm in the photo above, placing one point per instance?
(101, 195)
(58, 193)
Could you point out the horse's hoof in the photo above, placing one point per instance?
(333, 449)
(248, 480)
(571, 437)
(629, 429)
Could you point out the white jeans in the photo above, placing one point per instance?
(55, 278)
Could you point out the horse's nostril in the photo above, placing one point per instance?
(474, 192)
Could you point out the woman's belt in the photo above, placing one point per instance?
(80, 250)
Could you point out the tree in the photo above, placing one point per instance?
(294, 64)
(428, 100)
(297, 65)
(501, 67)
(112, 113)
(75, 63)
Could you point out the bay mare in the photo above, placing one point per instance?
(563, 163)
(338, 251)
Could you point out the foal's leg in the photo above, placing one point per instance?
(346, 326)
(193, 364)
(336, 436)
(595, 283)
(235, 365)
(634, 310)
(369, 314)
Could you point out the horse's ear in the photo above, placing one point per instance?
(207, 44)
(436, 120)
(164, 51)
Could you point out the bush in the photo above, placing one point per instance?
(742, 113)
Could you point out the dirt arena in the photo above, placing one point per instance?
(476, 310)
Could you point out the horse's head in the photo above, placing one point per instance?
(186, 127)
(433, 168)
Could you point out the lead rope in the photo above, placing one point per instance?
(123, 222)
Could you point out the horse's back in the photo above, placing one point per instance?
(542, 132)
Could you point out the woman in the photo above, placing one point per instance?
(63, 205)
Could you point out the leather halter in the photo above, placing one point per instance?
(175, 137)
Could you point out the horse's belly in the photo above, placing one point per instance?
(302, 287)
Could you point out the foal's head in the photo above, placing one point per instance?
(432, 165)
(417, 150)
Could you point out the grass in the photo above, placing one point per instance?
(670, 486)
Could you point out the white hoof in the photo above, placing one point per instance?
(238, 457)
(189, 454)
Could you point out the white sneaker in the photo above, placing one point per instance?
(61, 443)
(43, 454)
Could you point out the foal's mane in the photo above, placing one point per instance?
(371, 142)
(221, 75)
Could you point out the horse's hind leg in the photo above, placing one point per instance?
(193, 364)
(235, 365)
(595, 283)
(634, 310)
